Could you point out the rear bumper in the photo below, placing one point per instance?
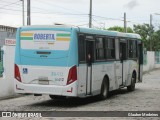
(68, 90)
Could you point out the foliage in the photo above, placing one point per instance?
(150, 37)
(147, 34)
(156, 41)
(120, 29)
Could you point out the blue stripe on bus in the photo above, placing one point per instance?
(58, 58)
(54, 54)
(44, 28)
(73, 49)
(43, 62)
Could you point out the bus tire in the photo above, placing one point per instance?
(133, 81)
(104, 89)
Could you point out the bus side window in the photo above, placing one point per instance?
(140, 52)
(132, 49)
(117, 48)
(110, 48)
(100, 49)
(81, 48)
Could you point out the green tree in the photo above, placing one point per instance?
(120, 29)
(156, 41)
(146, 32)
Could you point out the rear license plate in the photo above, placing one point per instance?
(43, 82)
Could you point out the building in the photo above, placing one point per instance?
(6, 32)
(9, 33)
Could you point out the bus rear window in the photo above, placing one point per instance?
(45, 40)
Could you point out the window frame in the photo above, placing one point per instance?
(104, 56)
(134, 49)
(114, 48)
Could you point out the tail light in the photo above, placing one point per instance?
(72, 76)
(17, 73)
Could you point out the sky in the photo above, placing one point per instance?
(106, 13)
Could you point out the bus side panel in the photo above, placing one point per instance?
(118, 74)
(97, 77)
(82, 76)
(126, 73)
(17, 53)
(100, 70)
(73, 49)
(132, 66)
(140, 72)
(140, 49)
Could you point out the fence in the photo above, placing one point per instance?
(7, 81)
(1, 62)
(144, 56)
(157, 57)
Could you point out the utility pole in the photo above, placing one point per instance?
(125, 23)
(90, 15)
(28, 13)
(23, 13)
(150, 43)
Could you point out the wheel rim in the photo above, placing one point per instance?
(104, 90)
(133, 82)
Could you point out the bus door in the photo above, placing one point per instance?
(123, 58)
(140, 59)
(89, 59)
(86, 58)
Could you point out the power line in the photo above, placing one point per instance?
(61, 13)
(8, 4)
(50, 12)
(107, 18)
(79, 15)
(46, 11)
(42, 10)
(128, 21)
(9, 13)
(84, 15)
(4, 1)
(50, 4)
(18, 10)
(97, 23)
(18, 4)
(82, 24)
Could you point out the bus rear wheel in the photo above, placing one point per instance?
(104, 89)
(133, 81)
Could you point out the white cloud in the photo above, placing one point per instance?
(132, 4)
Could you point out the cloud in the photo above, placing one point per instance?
(132, 4)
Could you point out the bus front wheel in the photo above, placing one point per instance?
(133, 81)
(104, 89)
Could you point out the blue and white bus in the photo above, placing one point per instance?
(64, 61)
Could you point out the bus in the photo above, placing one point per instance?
(65, 61)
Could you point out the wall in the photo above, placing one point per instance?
(4, 35)
(6, 82)
(150, 61)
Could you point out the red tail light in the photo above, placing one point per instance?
(17, 73)
(72, 76)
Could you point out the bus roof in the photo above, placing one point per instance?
(85, 30)
(109, 33)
